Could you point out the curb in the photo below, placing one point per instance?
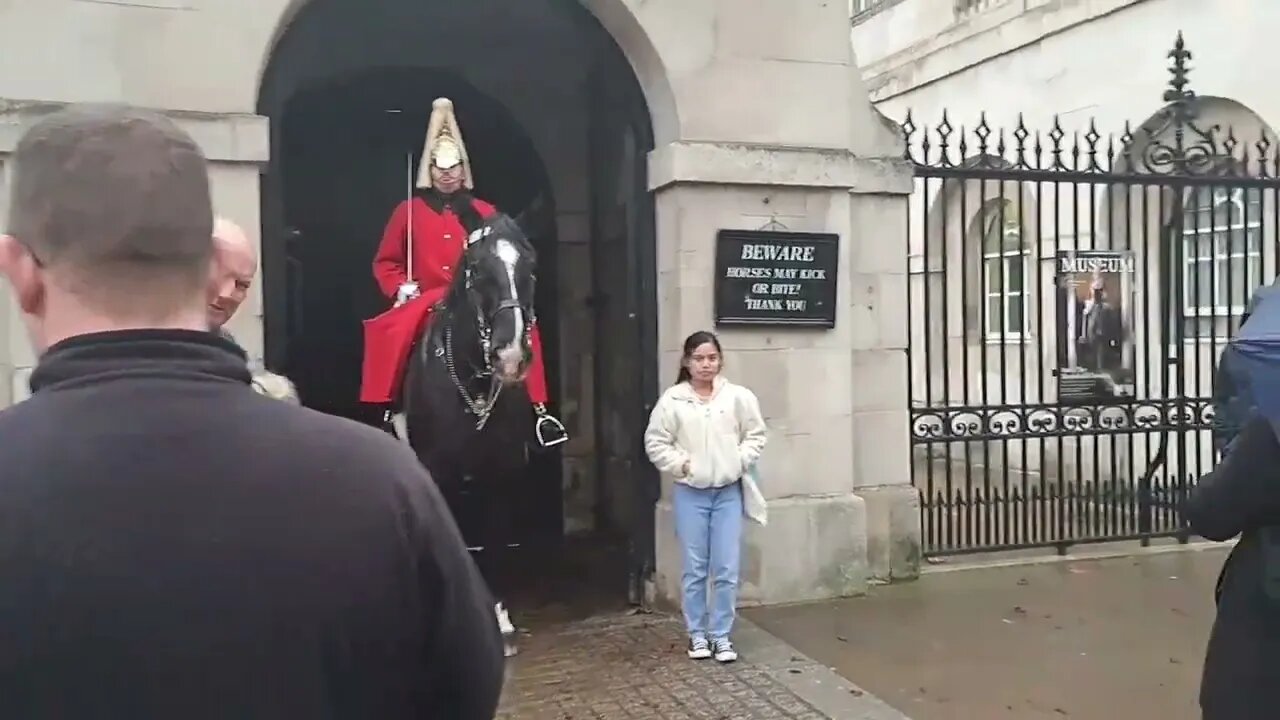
(959, 566)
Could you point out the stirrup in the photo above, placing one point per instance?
(550, 431)
(388, 424)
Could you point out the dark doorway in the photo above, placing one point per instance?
(344, 165)
(340, 141)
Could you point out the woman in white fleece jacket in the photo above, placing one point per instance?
(705, 432)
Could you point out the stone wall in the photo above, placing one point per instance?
(836, 471)
(1039, 58)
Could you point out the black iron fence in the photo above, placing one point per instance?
(1070, 294)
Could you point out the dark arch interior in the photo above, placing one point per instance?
(345, 164)
(344, 147)
(339, 166)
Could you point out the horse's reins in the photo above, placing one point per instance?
(482, 408)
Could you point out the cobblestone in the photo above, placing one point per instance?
(633, 667)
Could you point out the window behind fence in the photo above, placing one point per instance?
(1069, 297)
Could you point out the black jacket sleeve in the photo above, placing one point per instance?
(1243, 492)
(464, 653)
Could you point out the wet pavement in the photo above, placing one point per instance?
(1096, 639)
(586, 654)
(633, 666)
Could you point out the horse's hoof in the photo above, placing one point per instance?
(509, 650)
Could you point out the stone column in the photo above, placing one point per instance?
(774, 125)
(837, 468)
(879, 401)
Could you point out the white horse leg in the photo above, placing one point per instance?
(401, 424)
(508, 631)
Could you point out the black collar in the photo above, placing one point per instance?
(94, 357)
(461, 203)
(440, 202)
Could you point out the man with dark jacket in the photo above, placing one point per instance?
(172, 544)
(1241, 497)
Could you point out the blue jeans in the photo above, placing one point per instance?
(709, 527)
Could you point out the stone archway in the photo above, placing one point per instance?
(546, 102)
(752, 126)
(619, 18)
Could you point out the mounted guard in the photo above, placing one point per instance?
(415, 263)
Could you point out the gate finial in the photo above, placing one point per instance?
(1178, 90)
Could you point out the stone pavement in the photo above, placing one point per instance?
(632, 667)
(1095, 639)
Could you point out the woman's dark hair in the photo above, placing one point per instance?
(691, 343)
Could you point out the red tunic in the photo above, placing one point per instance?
(438, 243)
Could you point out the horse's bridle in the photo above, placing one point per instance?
(482, 407)
(484, 325)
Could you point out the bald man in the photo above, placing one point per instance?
(236, 266)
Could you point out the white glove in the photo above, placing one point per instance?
(274, 386)
(406, 292)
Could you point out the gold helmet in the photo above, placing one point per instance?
(443, 147)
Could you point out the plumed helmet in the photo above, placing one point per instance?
(443, 146)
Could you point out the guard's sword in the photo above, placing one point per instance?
(408, 197)
(408, 289)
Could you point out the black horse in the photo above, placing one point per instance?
(466, 412)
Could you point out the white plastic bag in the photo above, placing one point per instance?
(753, 502)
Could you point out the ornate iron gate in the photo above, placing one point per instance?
(1069, 296)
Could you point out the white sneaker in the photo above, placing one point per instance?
(699, 649)
(724, 651)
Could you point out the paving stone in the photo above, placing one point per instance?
(633, 667)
